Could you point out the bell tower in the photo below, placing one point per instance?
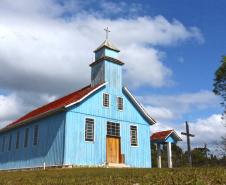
(107, 67)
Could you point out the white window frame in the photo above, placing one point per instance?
(131, 135)
(117, 100)
(93, 130)
(103, 100)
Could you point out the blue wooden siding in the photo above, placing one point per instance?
(80, 152)
(97, 74)
(49, 149)
(170, 139)
(106, 52)
(113, 75)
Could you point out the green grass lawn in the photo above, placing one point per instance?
(182, 176)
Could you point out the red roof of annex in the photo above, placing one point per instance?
(161, 135)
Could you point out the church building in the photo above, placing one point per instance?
(101, 124)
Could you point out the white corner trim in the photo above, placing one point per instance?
(174, 132)
(152, 121)
(84, 97)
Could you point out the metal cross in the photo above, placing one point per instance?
(187, 133)
(107, 31)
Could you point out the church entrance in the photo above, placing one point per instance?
(113, 148)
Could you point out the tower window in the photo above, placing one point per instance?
(35, 139)
(89, 129)
(26, 135)
(120, 103)
(106, 100)
(133, 136)
(17, 139)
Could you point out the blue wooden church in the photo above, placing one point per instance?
(99, 125)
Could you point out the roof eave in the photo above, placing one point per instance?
(104, 46)
(151, 121)
(177, 137)
(84, 97)
(9, 127)
(107, 58)
(49, 112)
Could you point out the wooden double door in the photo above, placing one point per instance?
(113, 149)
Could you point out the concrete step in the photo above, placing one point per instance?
(117, 165)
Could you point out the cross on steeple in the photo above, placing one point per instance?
(107, 31)
(187, 133)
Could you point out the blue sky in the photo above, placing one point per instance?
(171, 50)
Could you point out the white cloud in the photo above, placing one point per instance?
(8, 107)
(207, 130)
(174, 106)
(160, 113)
(53, 49)
(14, 105)
(43, 54)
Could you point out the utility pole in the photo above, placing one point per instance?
(187, 133)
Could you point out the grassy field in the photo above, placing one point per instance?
(179, 176)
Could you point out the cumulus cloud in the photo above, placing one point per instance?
(44, 53)
(53, 49)
(160, 113)
(171, 107)
(14, 105)
(207, 130)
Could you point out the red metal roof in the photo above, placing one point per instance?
(59, 103)
(160, 135)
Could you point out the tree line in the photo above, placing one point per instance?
(201, 157)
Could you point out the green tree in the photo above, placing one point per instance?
(199, 156)
(220, 82)
(220, 89)
(178, 157)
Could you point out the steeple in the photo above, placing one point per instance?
(107, 44)
(107, 66)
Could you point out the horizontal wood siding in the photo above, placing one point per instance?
(49, 148)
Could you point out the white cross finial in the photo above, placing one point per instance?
(107, 31)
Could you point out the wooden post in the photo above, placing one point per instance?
(159, 155)
(187, 133)
(169, 155)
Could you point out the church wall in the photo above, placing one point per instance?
(80, 152)
(49, 148)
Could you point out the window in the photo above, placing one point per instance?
(133, 136)
(120, 103)
(10, 143)
(106, 100)
(113, 129)
(35, 139)
(89, 130)
(17, 139)
(26, 134)
(3, 143)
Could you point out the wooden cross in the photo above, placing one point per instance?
(187, 133)
(107, 31)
